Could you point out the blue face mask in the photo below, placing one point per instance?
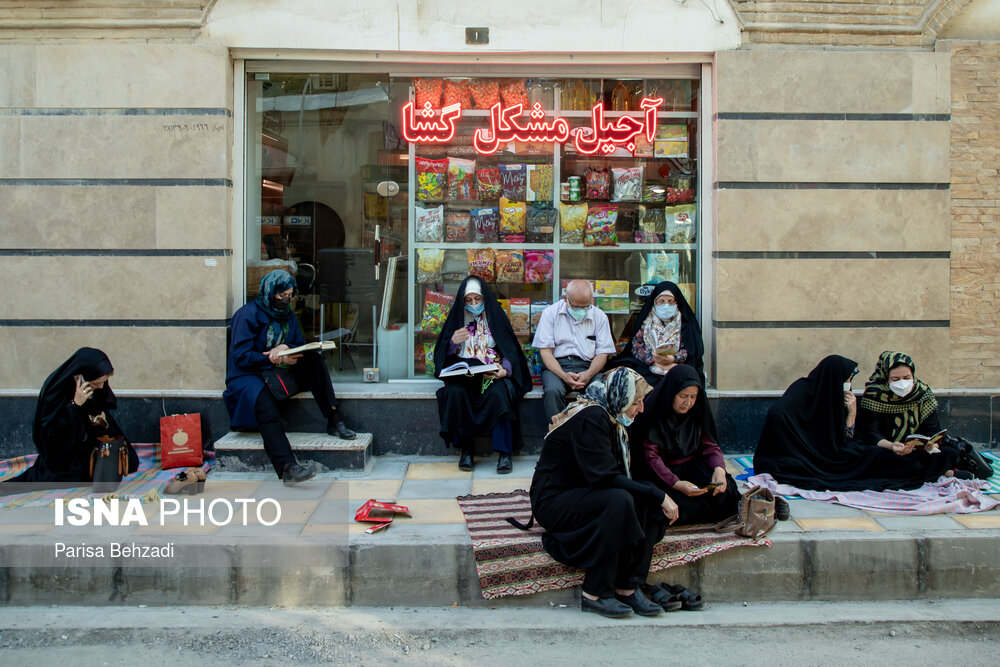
(665, 311)
(578, 313)
(625, 420)
(475, 310)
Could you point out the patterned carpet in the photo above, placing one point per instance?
(513, 562)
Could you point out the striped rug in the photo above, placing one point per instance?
(513, 562)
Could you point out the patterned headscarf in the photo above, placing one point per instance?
(615, 392)
(908, 410)
(272, 283)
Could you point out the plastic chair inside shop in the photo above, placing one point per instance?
(346, 276)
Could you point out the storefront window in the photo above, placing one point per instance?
(593, 179)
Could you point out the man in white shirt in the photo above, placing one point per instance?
(574, 340)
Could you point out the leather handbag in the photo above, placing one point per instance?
(280, 382)
(754, 516)
(109, 463)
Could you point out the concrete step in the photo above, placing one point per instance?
(330, 451)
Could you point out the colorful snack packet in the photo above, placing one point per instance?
(485, 92)
(482, 263)
(600, 229)
(510, 266)
(456, 226)
(541, 223)
(437, 305)
(490, 185)
(427, 90)
(538, 182)
(512, 214)
(520, 316)
(513, 178)
(456, 90)
(598, 180)
(485, 224)
(429, 264)
(536, 312)
(627, 184)
(572, 221)
(538, 266)
(679, 223)
(431, 178)
(429, 224)
(513, 91)
(461, 179)
(428, 350)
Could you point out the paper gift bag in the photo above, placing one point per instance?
(180, 441)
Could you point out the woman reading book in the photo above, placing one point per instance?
(261, 331)
(666, 333)
(478, 332)
(72, 418)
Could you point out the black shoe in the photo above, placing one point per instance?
(466, 462)
(609, 607)
(640, 604)
(964, 474)
(341, 431)
(295, 473)
(972, 461)
(781, 509)
(505, 465)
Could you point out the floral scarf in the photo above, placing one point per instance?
(480, 344)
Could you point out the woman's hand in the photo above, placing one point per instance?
(670, 509)
(719, 477)
(689, 489)
(664, 360)
(460, 336)
(851, 403)
(903, 448)
(83, 391)
(497, 374)
(272, 354)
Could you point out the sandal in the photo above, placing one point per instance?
(661, 595)
(689, 601)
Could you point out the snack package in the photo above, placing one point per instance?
(662, 266)
(536, 313)
(485, 93)
(510, 266)
(540, 223)
(490, 186)
(419, 358)
(461, 179)
(513, 177)
(650, 225)
(679, 223)
(456, 90)
(643, 147)
(534, 359)
(611, 288)
(505, 306)
(431, 178)
(513, 91)
(671, 141)
(598, 180)
(572, 220)
(512, 214)
(520, 316)
(429, 264)
(456, 226)
(427, 90)
(537, 266)
(538, 182)
(654, 191)
(428, 350)
(680, 190)
(485, 224)
(627, 224)
(429, 224)
(482, 263)
(600, 226)
(627, 184)
(437, 305)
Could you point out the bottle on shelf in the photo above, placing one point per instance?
(620, 98)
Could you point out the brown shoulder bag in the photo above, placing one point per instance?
(754, 516)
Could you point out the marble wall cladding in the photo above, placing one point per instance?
(193, 217)
(771, 359)
(115, 287)
(169, 358)
(815, 151)
(823, 81)
(115, 146)
(17, 75)
(832, 289)
(833, 220)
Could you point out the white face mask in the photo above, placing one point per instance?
(901, 387)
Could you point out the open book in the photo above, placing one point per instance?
(464, 368)
(666, 350)
(927, 442)
(320, 346)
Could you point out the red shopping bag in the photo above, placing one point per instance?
(180, 441)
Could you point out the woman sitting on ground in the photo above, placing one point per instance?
(595, 516)
(260, 331)
(677, 440)
(666, 333)
(478, 332)
(73, 418)
(809, 441)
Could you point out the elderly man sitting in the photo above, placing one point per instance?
(574, 340)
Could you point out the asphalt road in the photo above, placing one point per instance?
(966, 632)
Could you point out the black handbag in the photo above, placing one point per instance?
(280, 382)
(109, 462)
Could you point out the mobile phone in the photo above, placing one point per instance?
(847, 386)
(712, 485)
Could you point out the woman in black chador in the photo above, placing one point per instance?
(595, 515)
(73, 413)
(478, 331)
(808, 440)
(665, 323)
(675, 442)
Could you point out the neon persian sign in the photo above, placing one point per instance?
(507, 124)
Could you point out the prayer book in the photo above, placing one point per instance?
(464, 368)
(927, 442)
(320, 346)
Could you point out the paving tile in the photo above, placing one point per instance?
(979, 520)
(313, 488)
(24, 528)
(380, 489)
(434, 488)
(432, 511)
(177, 529)
(842, 523)
(399, 530)
(918, 523)
(382, 469)
(811, 509)
(500, 485)
(442, 470)
(227, 489)
(330, 529)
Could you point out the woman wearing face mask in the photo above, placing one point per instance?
(72, 415)
(666, 334)
(676, 434)
(595, 516)
(477, 330)
(260, 330)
